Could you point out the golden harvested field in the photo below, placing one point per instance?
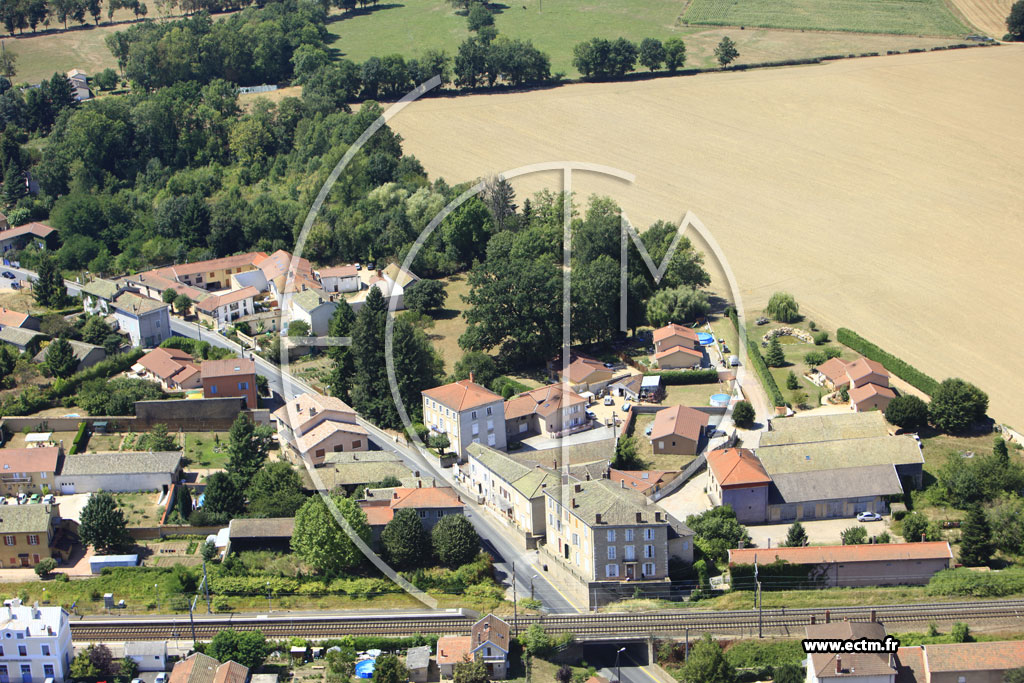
(987, 15)
(884, 193)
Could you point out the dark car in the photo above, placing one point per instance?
(9, 275)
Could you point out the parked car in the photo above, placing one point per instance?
(869, 517)
(3, 501)
(22, 497)
(734, 360)
(359, 266)
(34, 498)
(161, 677)
(15, 285)
(9, 275)
(48, 499)
(591, 415)
(650, 427)
(609, 401)
(626, 407)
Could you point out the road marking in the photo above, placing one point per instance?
(572, 603)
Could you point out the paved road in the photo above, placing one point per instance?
(504, 552)
(20, 273)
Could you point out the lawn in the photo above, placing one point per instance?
(104, 443)
(909, 17)
(449, 323)
(204, 451)
(140, 509)
(693, 395)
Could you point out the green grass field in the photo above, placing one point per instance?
(906, 17)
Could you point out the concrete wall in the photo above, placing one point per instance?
(894, 573)
(151, 533)
(207, 414)
(591, 594)
(116, 483)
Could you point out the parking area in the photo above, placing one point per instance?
(689, 499)
(819, 531)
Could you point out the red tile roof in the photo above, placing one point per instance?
(910, 665)
(29, 459)
(544, 401)
(9, 318)
(492, 629)
(835, 370)
(640, 480)
(672, 329)
(231, 672)
(37, 229)
(228, 367)
(199, 267)
(426, 497)
(737, 467)
(169, 364)
(339, 271)
(680, 421)
(462, 395)
(991, 656)
(676, 349)
(453, 649)
(214, 301)
(866, 391)
(582, 368)
(821, 554)
(862, 367)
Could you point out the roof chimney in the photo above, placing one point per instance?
(579, 488)
(470, 375)
(639, 517)
(573, 503)
(597, 518)
(839, 664)
(588, 476)
(657, 516)
(622, 483)
(419, 483)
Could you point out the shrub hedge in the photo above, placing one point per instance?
(499, 384)
(76, 443)
(767, 380)
(895, 365)
(966, 583)
(680, 377)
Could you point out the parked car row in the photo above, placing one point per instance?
(27, 499)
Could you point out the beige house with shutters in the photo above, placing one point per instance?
(467, 413)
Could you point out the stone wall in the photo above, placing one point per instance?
(788, 332)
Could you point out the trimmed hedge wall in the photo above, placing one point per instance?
(779, 575)
(76, 444)
(767, 381)
(681, 377)
(896, 366)
(966, 583)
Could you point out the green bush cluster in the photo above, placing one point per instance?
(282, 585)
(966, 583)
(76, 443)
(458, 580)
(896, 366)
(361, 643)
(499, 385)
(681, 377)
(767, 380)
(779, 575)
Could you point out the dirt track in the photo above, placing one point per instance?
(988, 15)
(883, 192)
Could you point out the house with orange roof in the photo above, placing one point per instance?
(431, 502)
(679, 358)
(28, 470)
(467, 413)
(677, 430)
(220, 310)
(316, 425)
(17, 320)
(736, 477)
(230, 377)
(870, 397)
(452, 650)
(214, 274)
(584, 373)
(174, 369)
(869, 564)
(985, 662)
(39, 234)
(673, 335)
(551, 410)
(866, 380)
(643, 481)
(344, 278)
(202, 668)
(279, 266)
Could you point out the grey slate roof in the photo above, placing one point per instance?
(81, 350)
(145, 648)
(103, 289)
(617, 506)
(353, 474)
(19, 336)
(825, 428)
(24, 518)
(834, 484)
(348, 457)
(418, 657)
(271, 527)
(804, 457)
(121, 463)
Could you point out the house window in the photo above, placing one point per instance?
(358, 443)
(213, 389)
(551, 521)
(476, 429)
(489, 410)
(472, 415)
(649, 569)
(243, 386)
(611, 536)
(630, 553)
(33, 539)
(490, 439)
(629, 534)
(8, 540)
(648, 534)
(611, 571)
(575, 539)
(46, 650)
(22, 651)
(423, 514)
(611, 552)
(648, 551)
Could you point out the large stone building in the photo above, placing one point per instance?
(737, 478)
(32, 533)
(467, 413)
(317, 425)
(28, 470)
(35, 643)
(147, 322)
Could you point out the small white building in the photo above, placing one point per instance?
(340, 279)
(35, 643)
(314, 309)
(150, 655)
(119, 472)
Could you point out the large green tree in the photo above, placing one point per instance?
(717, 530)
(388, 669)
(404, 540)
(908, 412)
(425, 296)
(1015, 22)
(102, 525)
(248, 648)
(679, 305)
(49, 289)
(975, 539)
(342, 358)
(783, 307)
(471, 671)
(726, 52)
(157, 439)
(319, 540)
(708, 664)
(223, 496)
(796, 536)
(371, 391)
(248, 447)
(60, 358)
(957, 405)
(455, 540)
(275, 491)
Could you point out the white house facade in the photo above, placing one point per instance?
(35, 643)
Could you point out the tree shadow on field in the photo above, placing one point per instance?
(363, 11)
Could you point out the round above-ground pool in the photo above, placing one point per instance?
(705, 339)
(365, 667)
(720, 400)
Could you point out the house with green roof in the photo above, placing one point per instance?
(99, 294)
(314, 308)
(147, 322)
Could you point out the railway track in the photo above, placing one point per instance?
(584, 626)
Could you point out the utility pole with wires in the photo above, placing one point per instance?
(759, 600)
(205, 586)
(191, 620)
(515, 602)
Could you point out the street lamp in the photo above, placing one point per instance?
(618, 667)
(156, 586)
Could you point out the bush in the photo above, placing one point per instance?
(743, 414)
(966, 583)
(815, 358)
(956, 405)
(45, 566)
(898, 367)
(820, 338)
(907, 411)
(854, 535)
(76, 443)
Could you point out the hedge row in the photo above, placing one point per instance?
(76, 443)
(896, 366)
(283, 585)
(767, 380)
(499, 384)
(679, 377)
(966, 583)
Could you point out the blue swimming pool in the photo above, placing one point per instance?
(720, 400)
(705, 339)
(364, 668)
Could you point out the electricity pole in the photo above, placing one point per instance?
(515, 602)
(759, 600)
